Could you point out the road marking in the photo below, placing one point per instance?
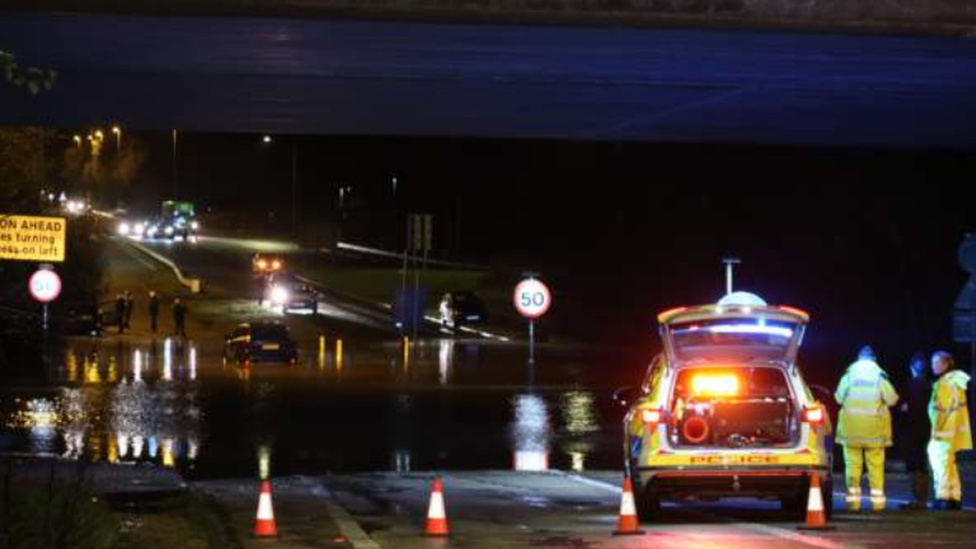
(781, 533)
(588, 481)
(784, 534)
(348, 526)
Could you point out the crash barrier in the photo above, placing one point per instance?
(436, 513)
(816, 514)
(264, 523)
(628, 524)
(194, 284)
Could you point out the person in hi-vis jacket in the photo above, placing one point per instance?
(864, 428)
(949, 414)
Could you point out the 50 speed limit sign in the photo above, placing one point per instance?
(532, 298)
(44, 285)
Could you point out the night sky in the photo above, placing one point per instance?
(864, 239)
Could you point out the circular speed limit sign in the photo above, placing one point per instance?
(45, 285)
(532, 298)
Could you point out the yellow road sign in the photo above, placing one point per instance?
(30, 238)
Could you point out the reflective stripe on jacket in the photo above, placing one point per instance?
(865, 394)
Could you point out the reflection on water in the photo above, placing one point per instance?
(530, 433)
(128, 406)
(435, 404)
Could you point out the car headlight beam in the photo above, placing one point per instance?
(279, 295)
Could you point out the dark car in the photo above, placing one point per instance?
(460, 308)
(260, 342)
(83, 319)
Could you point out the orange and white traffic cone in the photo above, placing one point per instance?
(436, 514)
(628, 524)
(816, 515)
(264, 524)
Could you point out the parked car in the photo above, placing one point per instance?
(82, 319)
(724, 411)
(461, 308)
(253, 342)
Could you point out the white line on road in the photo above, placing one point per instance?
(785, 534)
(781, 533)
(348, 526)
(589, 481)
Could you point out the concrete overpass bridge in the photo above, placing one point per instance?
(358, 77)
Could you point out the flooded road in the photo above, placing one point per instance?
(447, 404)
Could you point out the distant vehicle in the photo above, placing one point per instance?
(182, 216)
(724, 410)
(262, 264)
(83, 319)
(289, 292)
(460, 308)
(161, 229)
(135, 230)
(260, 342)
(177, 222)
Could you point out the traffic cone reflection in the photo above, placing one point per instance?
(628, 524)
(816, 515)
(436, 514)
(264, 524)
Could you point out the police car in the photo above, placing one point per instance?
(724, 411)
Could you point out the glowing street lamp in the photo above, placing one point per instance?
(118, 137)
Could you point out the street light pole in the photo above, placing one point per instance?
(294, 190)
(176, 173)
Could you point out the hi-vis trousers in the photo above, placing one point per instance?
(944, 471)
(854, 458)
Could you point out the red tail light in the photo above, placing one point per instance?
(652, 416)
(813, 416)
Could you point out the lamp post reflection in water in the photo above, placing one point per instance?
(72, 366)
(169, 450)
(168, 360)
(445, 356)
(123, 440)
(264, 461)
(193, 363)
(530, 433)
(137, 446)
(137, 366)
(579, 417)
(192, 449)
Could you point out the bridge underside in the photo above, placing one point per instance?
(390, 78)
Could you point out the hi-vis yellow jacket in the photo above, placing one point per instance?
(948, 411)
(865, 394)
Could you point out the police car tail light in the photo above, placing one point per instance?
(715, 385)
(652, 417)
(813, 416)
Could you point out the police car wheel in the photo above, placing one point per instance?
(648, 504)
(828, 495)
(794, 505)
